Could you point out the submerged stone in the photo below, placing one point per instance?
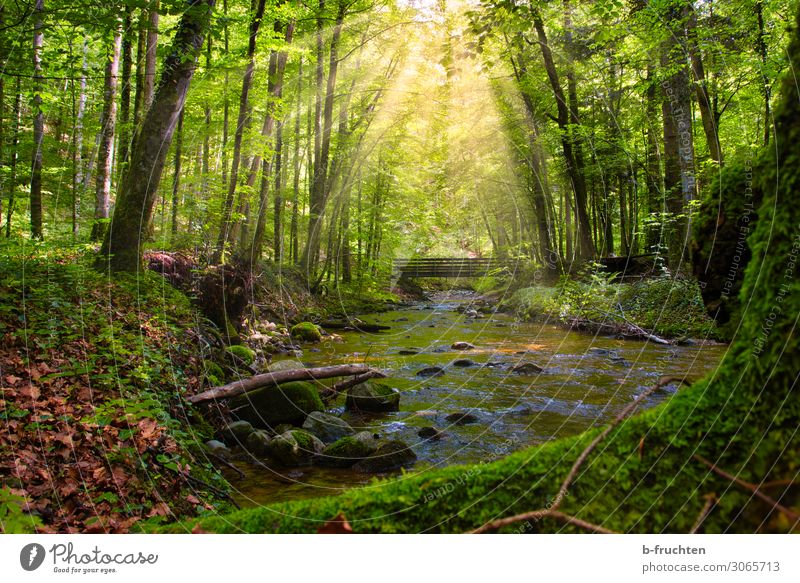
(374, 397)
(270, 406)
(327, 427)
(390, 455)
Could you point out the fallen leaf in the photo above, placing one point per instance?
(338, 525)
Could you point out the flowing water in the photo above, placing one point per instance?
(586, 381)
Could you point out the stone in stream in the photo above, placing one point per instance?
(346, 451)
(295, 448)
(306, 331)
(284, 365)
(327, 427)
(390, 455)
(257, 443)
(283, 428)
(464, 363)
(527, 368)
(270, 406)
(472, 313)
(462, 346)
(461, 418)
(372, 397)
(236, 433)
(430, 433)
(407, 352)
(217, 447)
(430, 371)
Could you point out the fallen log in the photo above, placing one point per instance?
(331, 392)
(357, 325)
(275, 378)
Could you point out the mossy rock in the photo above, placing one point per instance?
(306, 331)
(327, 427)
(242, 352)
(390, 455)
(373, 397)
(295, 448)
(284, 365)
(344, 452)
(236, 433)
(257, 443)
(270, 406)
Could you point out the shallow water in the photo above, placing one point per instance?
(586, 381)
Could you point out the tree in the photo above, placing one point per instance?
(122, 246)
(38, 122)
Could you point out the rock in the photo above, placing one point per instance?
(371, 396)
(284, 365)
(430, 433)
(217, 447)
(327, 427)
(306, 331)
(369, 439)
(236, 433)
(464, 363)
(461, 418)
(472, 313)
(283, 428)
(244, 353)
(406, 352)
(431, 371)
(390, 455)
(270, 406)
(257, 443)
(344, 452)
(462, 346)
(295, 448)
(527, 368)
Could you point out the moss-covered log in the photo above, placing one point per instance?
(645, 476)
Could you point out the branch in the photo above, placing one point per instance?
(711, 500)
(275, 378)
(537, 515)
(331, 392)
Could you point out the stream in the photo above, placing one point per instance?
(586, 381)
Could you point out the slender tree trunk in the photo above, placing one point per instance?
(206, 153)
(241, 124)
(151, 54)
(104, 167)
(176, 178)
(293, 229)
(655, 199)
(38, 121)
(122, 247)
(77, 141)
(141, 50)
(761, 47)
(225, 100)
(3, 63)
(12, 173)
(125, 93)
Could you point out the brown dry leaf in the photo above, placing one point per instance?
(31, 391)
(198, 530)
(338, 525)
(11, 380)
(193, 499)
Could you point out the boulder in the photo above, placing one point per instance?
(430, 371)
(462, 346)
(369, 439)
(327, 427)
(270, 406)
(430, 433)
(306, 331)
(284, 365)
(461, 418)
(390, 455)
(257, 443)
(373, 397)
(344, 452)
(236, 433)
(407, 352)
(295, 448)
(527, 368)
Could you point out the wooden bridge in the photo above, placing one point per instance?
(449, 266)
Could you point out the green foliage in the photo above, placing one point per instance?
(243, 352)
(13, 520)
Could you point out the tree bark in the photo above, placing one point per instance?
(12, 174)
(275, 378)
(122, 247)
(38, 122)
(176, 178)
(125, 93)
(108, 128)
(151, 55)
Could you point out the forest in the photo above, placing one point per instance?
(399, 266)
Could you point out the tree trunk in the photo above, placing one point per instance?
(761, 47)
(242, 122)
(12, 174)
(293, 229)
(125, 94)
(141, 49)
(206, 154)
(151, 55)
(573, 162)
(122, 247)
(38, 122)
(176, 179)
(108, 128)
(655, 200)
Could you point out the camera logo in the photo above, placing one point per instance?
(31, 556)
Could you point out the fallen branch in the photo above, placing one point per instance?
(642, 331)
(357, 325)
(275, 378)
(332, 391)
(562, 492)
(228, 464)
(537, 515)
(711, 500)
(790, 514)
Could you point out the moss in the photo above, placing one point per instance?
(243, 352)
(213, 372)
(271, 406)
(344, 453)
(306, 331)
